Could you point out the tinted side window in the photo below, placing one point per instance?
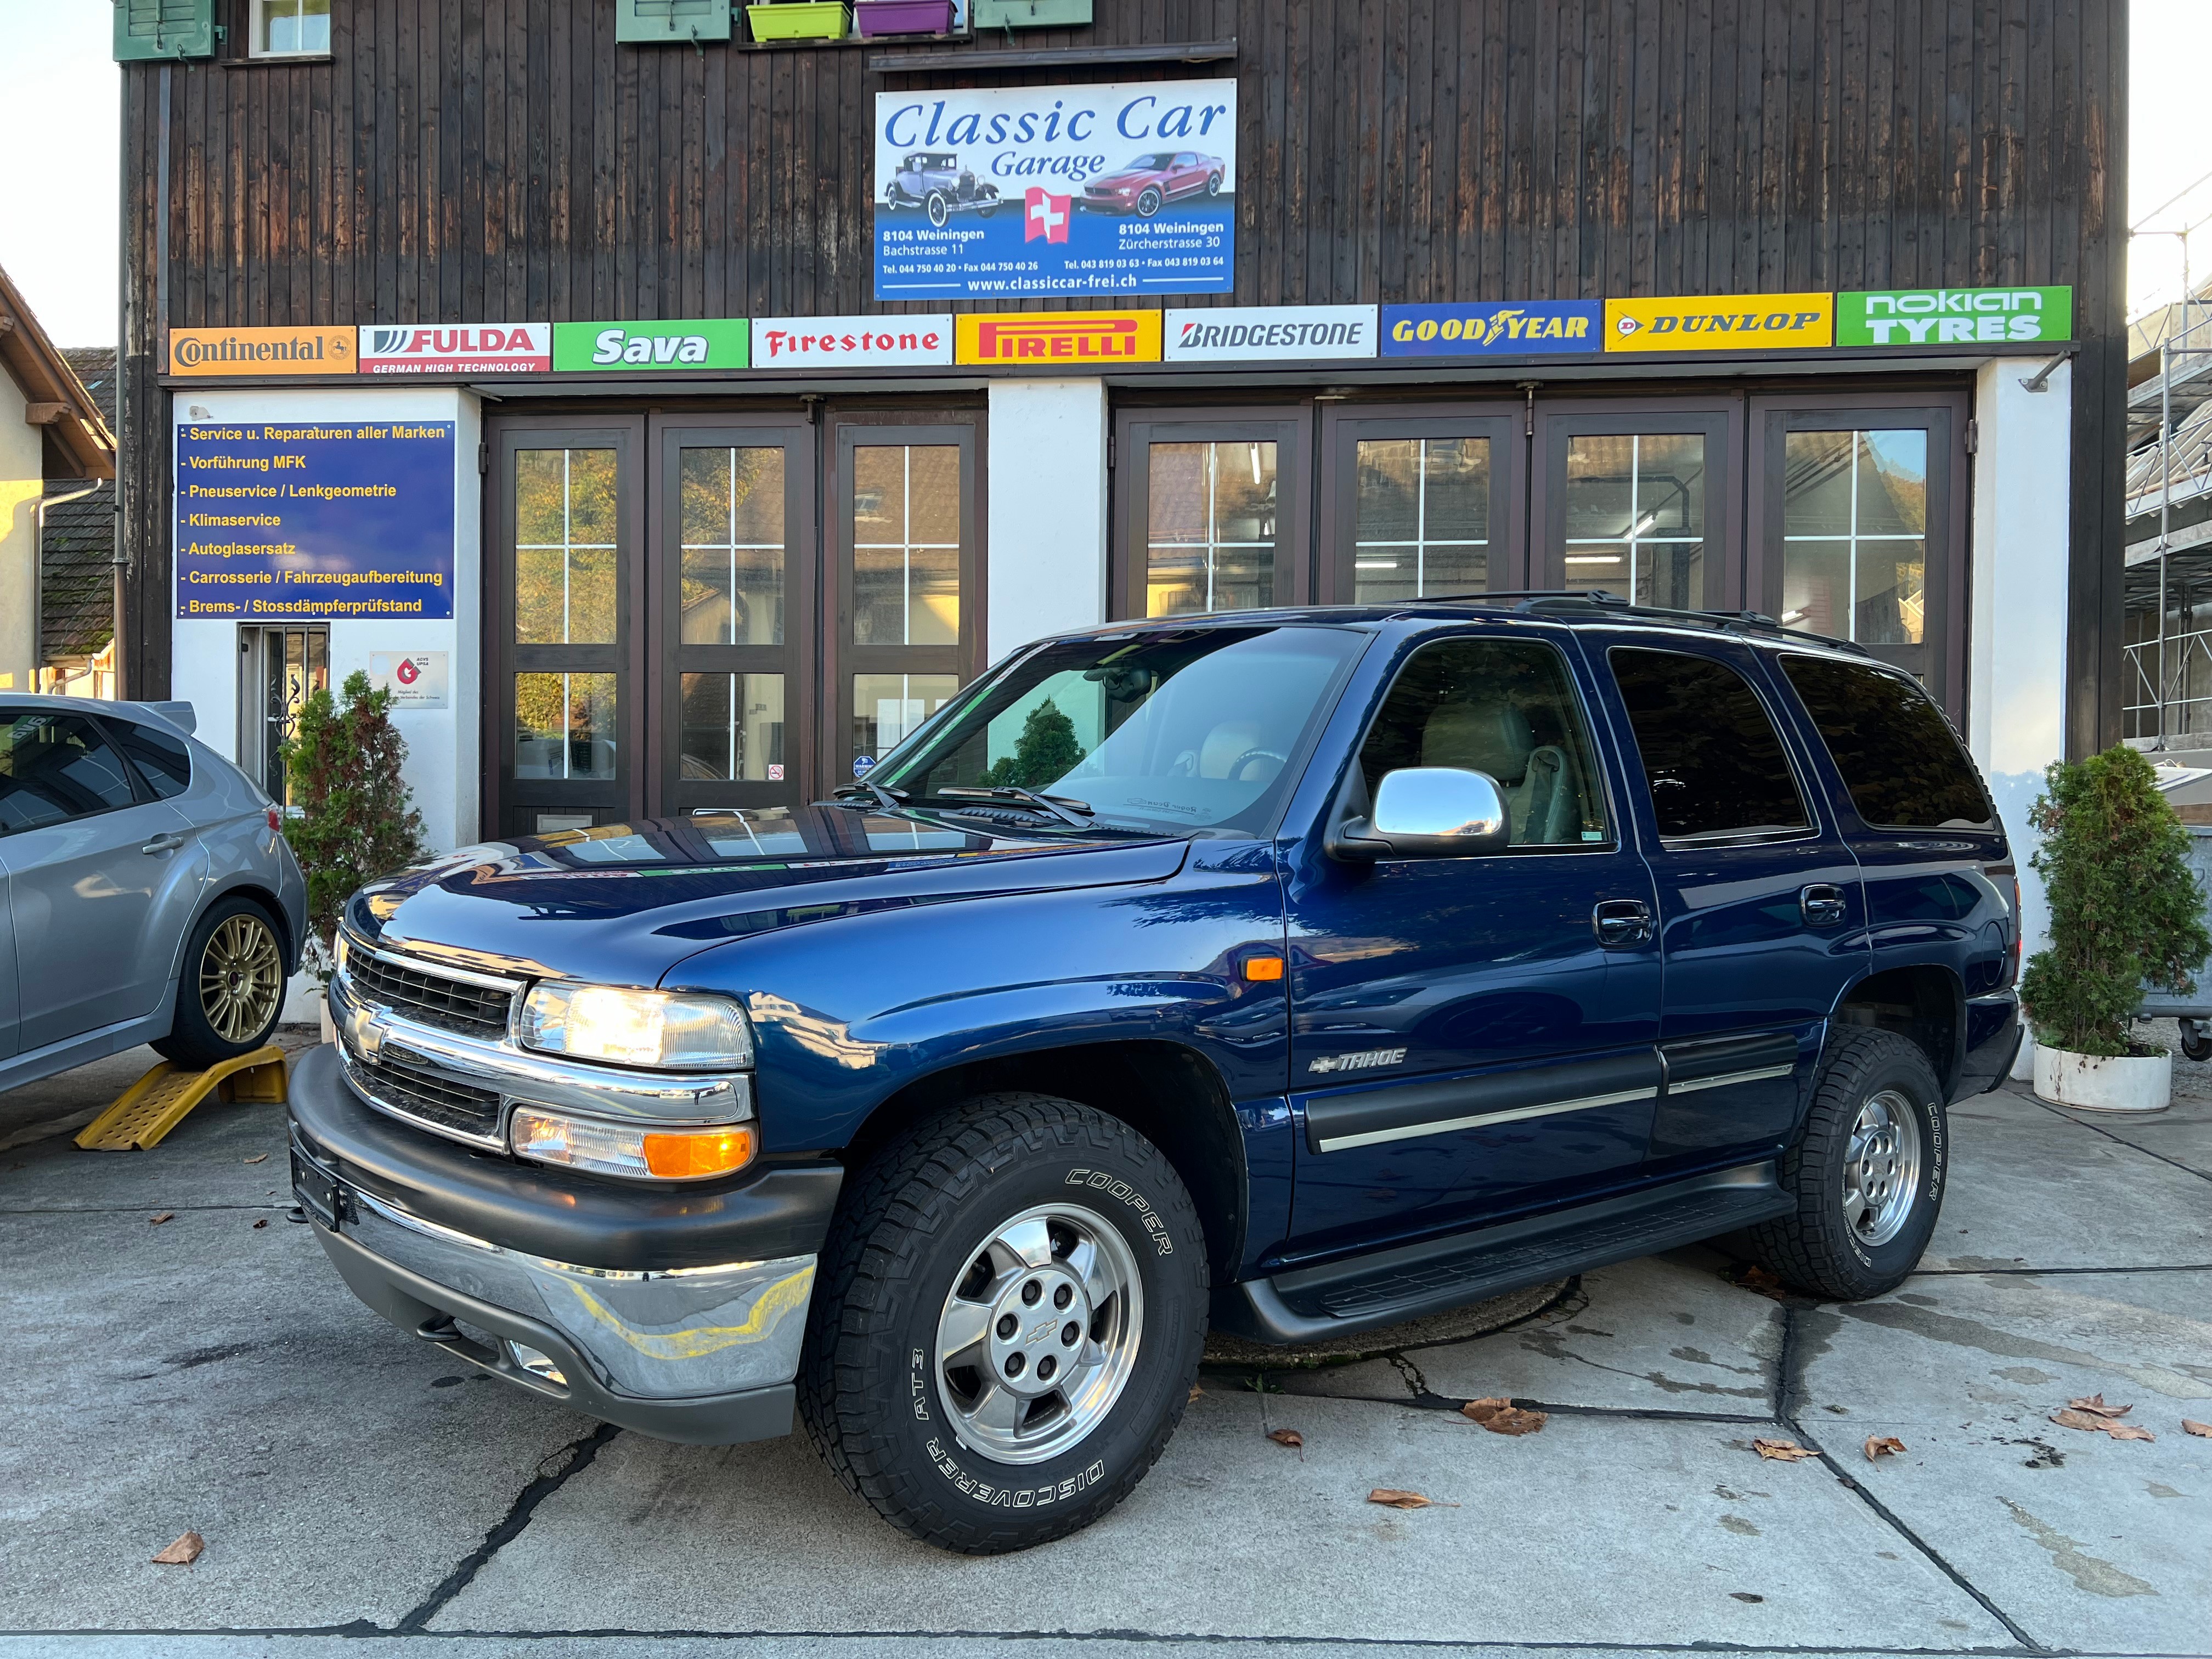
(161, 759)
(56, 767)
(1504, 706)
(1898, 755)
(1715, 764)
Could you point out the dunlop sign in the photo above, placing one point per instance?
(1054, 339)
(261, 352)
(1745, 322)
(1952, 316)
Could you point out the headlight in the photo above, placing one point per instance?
(673, 1031)
(645, 1152)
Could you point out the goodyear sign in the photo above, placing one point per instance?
(1096, 339)
(1953, 316)
(261, 352)
(1491, 329)
(652, 348)
(1744, 322)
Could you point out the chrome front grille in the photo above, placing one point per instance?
(440, 1103)
(424, 994)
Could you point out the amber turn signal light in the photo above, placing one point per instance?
(688, 1155)
(1263, 967)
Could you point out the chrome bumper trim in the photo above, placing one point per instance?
(676, 1334)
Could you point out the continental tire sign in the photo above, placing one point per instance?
(262, 353)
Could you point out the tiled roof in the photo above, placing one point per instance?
(77, 609)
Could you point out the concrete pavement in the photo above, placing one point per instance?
(355, 1489)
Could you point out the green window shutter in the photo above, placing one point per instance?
(163, 29)
(670, 22)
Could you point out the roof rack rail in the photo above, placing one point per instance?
(1530, 601)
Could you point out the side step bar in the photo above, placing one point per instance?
(1306, 1305)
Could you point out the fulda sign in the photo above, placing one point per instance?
(651, 348)
(457, 348)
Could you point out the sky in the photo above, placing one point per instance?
(58, 131)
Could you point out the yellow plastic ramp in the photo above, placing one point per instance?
(157, 1101)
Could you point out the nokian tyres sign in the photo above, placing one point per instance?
(718, 343)
(1953, 316)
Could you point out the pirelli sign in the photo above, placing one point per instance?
(1059, 339)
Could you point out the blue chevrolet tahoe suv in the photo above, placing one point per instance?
(1297, 972)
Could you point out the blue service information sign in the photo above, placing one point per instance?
(994, 192)
(1493, 328)
(315, 518)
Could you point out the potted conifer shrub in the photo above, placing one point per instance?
(2125, 912)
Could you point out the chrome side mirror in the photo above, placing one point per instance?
(1428, 812)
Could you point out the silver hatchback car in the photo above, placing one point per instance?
(149, 895)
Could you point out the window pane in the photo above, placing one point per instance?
(1898, 755)
(878, 595)
(934, 596)
(886, 707)
(732, 508)
(1816, 484)
(933, 493)
(56, 767)
(879, 495)
(906, 545)
(1670, 484)
(1670, 574)
(1455, 489)
(1710, 756)
(1816, 586)
(1892, 607)
(1854, 517)
(1388, 489)
(1636, 517)
(1600, 487)
(564, 726)
(1212, 519)
(732, 727)
(565, 569)
(1499, 707)
(1893, 483)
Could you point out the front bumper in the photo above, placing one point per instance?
(678, 1347)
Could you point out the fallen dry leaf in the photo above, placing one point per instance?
(1783, 1451)
(2191, 1426)
(1503, 1416)
(262, 1222)
(1195, 1392)
(2096, 1407)
(156, 1220)
(1763, 1282)
(182, 1554)
(1882, 1446)
(1391, 1497)
(259, 1158)
(1287, 1437)
(2128, 1431)
(2092, 1423)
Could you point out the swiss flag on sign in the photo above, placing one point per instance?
(1045, 215)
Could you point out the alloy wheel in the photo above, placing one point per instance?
(1881, 1169)
(1040, 1333)
(242, 978)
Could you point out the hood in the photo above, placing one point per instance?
(1131, 176)
(624, 903)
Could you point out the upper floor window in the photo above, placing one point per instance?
(291, 28)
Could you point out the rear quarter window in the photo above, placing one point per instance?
(1899, 758)
(162, 761)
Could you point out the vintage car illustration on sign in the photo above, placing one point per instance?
(934, 181)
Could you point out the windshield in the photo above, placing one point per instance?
(1193, 730)
(1151, 163)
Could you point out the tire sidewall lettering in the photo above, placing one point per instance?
(1113, 1186)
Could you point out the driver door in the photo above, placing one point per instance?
(1464, 1042)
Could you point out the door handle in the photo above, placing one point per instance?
(1821, 904)
(165, 841)
(1619, 922)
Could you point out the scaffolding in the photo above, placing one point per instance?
(2168, 584)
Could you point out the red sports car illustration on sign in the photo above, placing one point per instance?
(1153, 179)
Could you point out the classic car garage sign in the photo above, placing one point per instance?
(995, 192)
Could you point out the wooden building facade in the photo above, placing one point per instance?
(511, 163)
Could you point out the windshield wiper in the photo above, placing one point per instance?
(866, 794)
(1059, 806)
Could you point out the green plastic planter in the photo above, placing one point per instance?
(814, 19)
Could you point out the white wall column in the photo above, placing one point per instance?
(1046, 523)
(2016, 624)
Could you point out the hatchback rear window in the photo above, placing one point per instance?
(1898, 755)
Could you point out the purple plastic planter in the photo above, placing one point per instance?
(904, 16)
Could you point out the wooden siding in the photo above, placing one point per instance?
(505, 161)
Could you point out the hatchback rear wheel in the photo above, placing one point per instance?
(230, 988)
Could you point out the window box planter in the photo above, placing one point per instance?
(811, 20)
(1029, 14)
(881, 17)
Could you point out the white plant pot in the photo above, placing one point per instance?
(2100, 1083)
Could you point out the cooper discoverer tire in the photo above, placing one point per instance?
(1008, 1316)
(230, 986)
(1867, 1170)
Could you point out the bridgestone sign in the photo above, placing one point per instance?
(1265, 333)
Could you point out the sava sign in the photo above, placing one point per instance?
(994, 192)
(651, 348)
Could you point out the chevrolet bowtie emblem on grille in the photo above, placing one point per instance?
(1366, 1061)
(364, 1033)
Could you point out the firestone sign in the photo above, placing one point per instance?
(852, 341)
(1952, 316)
